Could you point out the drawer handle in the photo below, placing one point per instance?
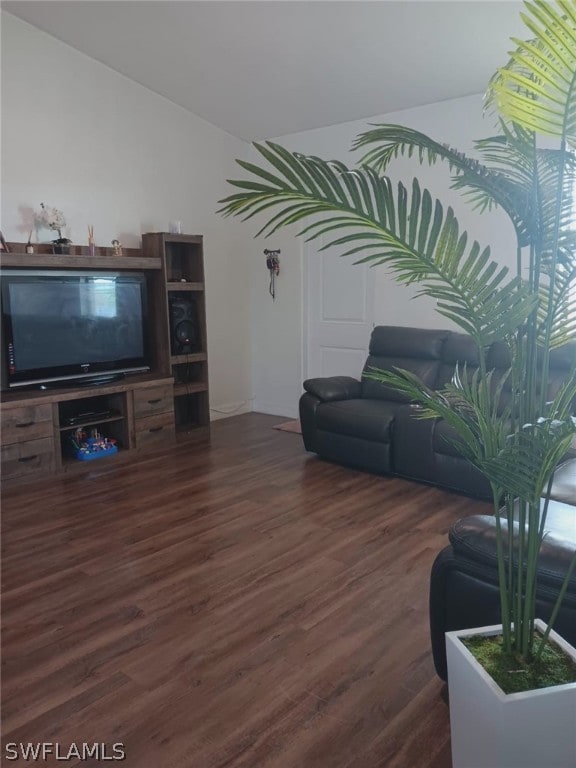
(153, 402)
(24, 459)
(155, 429)
(24, 424)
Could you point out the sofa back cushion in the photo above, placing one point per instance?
(459, 349)
(416, 350)
(432, 355)
(561, 365)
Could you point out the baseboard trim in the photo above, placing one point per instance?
(276, 409)
(226, 410)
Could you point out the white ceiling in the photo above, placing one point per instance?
(265, 68)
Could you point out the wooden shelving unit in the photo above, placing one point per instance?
(182, 259)
(35, 437)
(142, 411)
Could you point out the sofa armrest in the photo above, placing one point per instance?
(334, 388)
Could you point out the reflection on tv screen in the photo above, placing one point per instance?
(59, 322)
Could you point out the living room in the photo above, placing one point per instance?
(97, 645)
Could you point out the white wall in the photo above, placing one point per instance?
(108, 152)
(278, 329)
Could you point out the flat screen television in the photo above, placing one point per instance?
(63, 327)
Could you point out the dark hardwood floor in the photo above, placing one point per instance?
(232, 604)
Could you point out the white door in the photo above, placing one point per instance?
(339, 299)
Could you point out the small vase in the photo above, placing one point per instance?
(61, 246)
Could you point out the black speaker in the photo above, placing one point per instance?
(184, 335)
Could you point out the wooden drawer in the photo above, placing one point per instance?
(27, 458)
(26, 423)
(153, 400)
(154, 430)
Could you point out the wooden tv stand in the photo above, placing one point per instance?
(139, 411)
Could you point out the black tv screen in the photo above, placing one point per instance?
(67, 325)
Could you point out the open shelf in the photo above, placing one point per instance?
(114, 426)
(83, 424)
(190, 357)
(187, 286)
(191, 410)
(189, 388)
(57, 261)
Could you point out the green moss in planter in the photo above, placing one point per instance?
(516, 676)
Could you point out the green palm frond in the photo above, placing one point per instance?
(504, 178)
(504, 189)
(525, 181)
(409, 232)
(557, 312)
(486, 187)
(526, 463)
(508, 166)
(552, 209)
(537, 88)
(510, 152)
(562, 406)
(393, 141)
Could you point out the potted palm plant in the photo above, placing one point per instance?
(528, 170)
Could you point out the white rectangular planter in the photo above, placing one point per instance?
(491, 729)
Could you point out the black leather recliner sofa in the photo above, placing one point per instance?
(368, 425)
